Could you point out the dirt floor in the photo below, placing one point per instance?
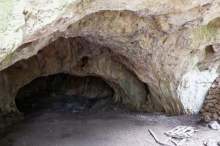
(98, 125)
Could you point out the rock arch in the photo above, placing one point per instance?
(70, 56)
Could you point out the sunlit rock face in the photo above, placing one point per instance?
(155, 55)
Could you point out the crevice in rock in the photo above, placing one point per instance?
(209, 51)
(209, 57)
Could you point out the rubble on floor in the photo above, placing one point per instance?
(214, 125)
(178, 135)
(211, 142)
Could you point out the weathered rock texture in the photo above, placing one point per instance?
(74, 56)
(171, 45)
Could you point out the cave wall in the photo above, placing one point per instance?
(74, 56)
(159, 43)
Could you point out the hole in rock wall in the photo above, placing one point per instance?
(64, 93)
(209, 51)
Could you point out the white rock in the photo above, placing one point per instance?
(211, 142)
(214, 125)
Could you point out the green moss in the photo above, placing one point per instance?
(114, 19)
(204, 34)
(8, 58)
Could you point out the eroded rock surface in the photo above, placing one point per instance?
(172, 47)
(74, 56)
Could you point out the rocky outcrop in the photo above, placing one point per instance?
(172, 46)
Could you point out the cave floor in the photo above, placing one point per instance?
(101, 128)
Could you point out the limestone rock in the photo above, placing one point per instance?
(213, 110)
(169, 46)
(205, 119)
(202, 110)
(214, 125)
(209, 97)
(207, 114)
(214, 91)
(217, 106)
(211, 142)
(217, 79)
(215, 116)
(210, 104)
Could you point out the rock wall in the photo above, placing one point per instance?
(172, 46)
(74, 56)
(211, 106)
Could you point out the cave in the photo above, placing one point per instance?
(90, 72)
(79, 57)
(64, 93)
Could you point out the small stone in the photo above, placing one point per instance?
(216, 96)
(214, 91)
(213, 110)
(209, 97)
(214, 125)
(215, 116)
(211, 142)
(202, 110)
(218, 101)
(213, 101)
(207, 114)
(217, 86)
(206, 108)
(217, 106)
(205, 101)
(217, 79)
(210, 105)
(213, 86)
(205, 119)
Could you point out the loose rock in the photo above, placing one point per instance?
(215, 116)
(214, 125)
(205, 119)
(211, 142)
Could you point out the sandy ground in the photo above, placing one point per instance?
(103, 128)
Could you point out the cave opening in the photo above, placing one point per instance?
(64, 93)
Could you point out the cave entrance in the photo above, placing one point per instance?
(64, 93)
